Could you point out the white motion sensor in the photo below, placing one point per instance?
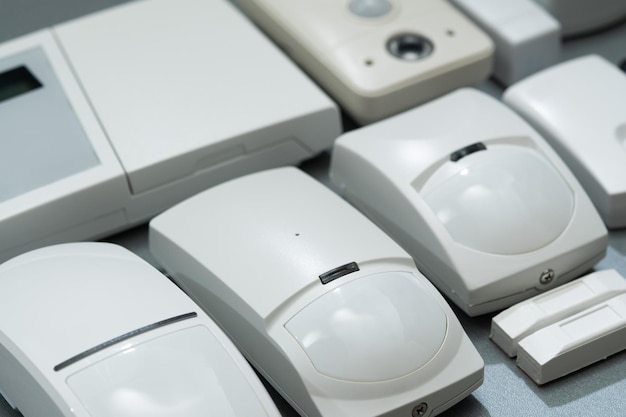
(527, 38)
(486, 208)
(90, 329)
(325, 305)
(109, 119)
(577, 106)
(378, 57)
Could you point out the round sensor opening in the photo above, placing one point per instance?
(409, 46)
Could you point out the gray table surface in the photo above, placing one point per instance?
(598, 390)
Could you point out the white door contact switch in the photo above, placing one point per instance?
(526, 37)
(525, 318)
(486, 208)
(578, 107)
(575, 342)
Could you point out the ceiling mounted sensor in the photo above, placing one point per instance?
(486, 208)
(324, 304)
(576, 106)
(92, 330)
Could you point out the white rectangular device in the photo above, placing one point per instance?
(512, 325)
(577, 107)
(566, 328)
(111, 118)
(575, 342)
(486, 208)
(378, 57)
(326, 306)
(579, 17)
(92, 330)
(526, 37)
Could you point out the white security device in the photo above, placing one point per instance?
(378, 57)
(111, 118)
(526, 37)
(325, 305)
(92, 330)
(566, 328)
(582, 16)
(525, 318)
(575, 342)
(486, 208)
(577, 107)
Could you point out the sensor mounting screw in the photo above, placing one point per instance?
(546, 276)
(419, 410)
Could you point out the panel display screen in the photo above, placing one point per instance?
(17, 81)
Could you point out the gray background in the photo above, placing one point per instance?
(597, 390)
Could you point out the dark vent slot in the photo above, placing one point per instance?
(338, 272)
(470, 149)
(123, 337)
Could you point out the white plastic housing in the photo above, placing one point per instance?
(521, 320)
(575, 342)
(502, 223)
(174, 96)
(526, 37)
(581, 16)
(376, 339)
(576, 106)
(342, 44)
(90, 329)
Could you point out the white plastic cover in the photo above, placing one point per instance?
(575, 342)
(379, 327)
(527, 317)
(506, 200)
(186, 373)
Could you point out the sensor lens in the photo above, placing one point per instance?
(409, 47)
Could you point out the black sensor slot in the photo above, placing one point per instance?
(17, 81)
(468, 150)
(123, 337)
(338, 272)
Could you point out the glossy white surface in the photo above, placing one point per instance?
(518, 321)
(73, 316)
(526, 37)
(377, 320)
(577, 106)
(184, 373)
(486, 227)
(498, 193)
(258, 273)
(347, 53)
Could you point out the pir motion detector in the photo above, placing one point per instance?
(324, 304)
(378, 57)
(90, 329)
(486, 208)
(111, 118)
(577, 107)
